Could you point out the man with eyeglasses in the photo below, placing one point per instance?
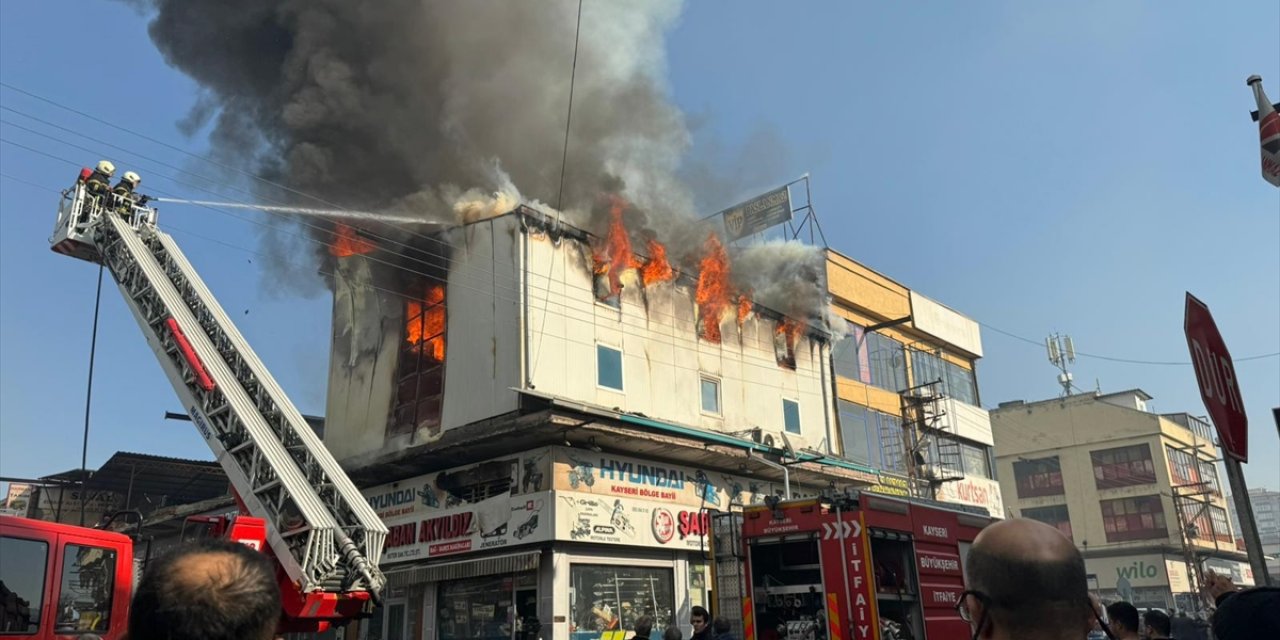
(1026, 580)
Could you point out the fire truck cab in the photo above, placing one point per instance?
(63, 581)
(862, 567)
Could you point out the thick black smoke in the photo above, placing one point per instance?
(454, 110)
(405, 104)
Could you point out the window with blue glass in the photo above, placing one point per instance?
(953, 380)
(710, 390)
(608, 367)
(791, 416)
(871, 358)
(871, 437)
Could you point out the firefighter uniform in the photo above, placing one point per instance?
(124, 195)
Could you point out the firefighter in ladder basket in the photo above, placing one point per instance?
(97, 183)
(124, 195)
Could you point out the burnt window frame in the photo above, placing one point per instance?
(1055, 522)
(1126, 519)
(1039, 477)
(417, 372)
(1124, 466)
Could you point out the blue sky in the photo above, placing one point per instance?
(1039, 167)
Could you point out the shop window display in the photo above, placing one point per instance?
(488, 608)
(612, 598)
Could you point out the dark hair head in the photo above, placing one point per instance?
(1157, 621)
(208, 589)
(699, 612)
(1124, 614)
(644, 626)
(672, 633)
(720, 625)
(1033, 577)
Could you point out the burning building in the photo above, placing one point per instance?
(520, 310)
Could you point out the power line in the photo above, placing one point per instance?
(446, 259)
(429, 238)
(564, 309)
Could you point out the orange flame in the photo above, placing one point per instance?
(712, 293)
(347, 243)
(792, 330)
(615, 256)
(424, 324)
(656, 269)
(744, 307)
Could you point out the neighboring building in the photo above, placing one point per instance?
(931, 440)
(1266, 514)
(1139, 493)
(546, 438)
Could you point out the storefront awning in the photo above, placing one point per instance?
(436, 572)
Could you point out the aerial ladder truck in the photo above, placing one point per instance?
(296, 503)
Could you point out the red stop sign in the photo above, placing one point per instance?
(1217, 377)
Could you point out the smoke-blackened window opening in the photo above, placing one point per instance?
(478, 483)
(420, 370)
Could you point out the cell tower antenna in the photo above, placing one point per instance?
(1062, 353)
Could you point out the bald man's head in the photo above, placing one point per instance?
(1032, 578)
(207, 590)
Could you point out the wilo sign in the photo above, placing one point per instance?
(1217, 377)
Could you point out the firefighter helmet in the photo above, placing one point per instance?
(106, 167)
(132, 178)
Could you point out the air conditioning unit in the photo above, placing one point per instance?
(766, 438)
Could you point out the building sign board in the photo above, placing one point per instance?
(608, 475)
(757, 214)
(1147, 570)
(976, 491)
(586, 517)
(17, 501)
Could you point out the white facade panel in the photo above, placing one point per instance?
(945, 324)
(664, 359)
(967, 421)
(482, 358)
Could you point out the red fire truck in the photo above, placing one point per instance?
(860, 567)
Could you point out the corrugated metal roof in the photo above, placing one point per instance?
(149, 480)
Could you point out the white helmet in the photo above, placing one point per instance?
(132, 178)
(106, 167)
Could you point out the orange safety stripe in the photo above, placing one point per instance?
(833, 617)
(748, 620)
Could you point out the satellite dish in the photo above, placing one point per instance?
(790, 449)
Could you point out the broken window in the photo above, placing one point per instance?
(420, 371)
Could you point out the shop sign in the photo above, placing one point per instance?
(861, 582)
(17, 501)
(422, 494)
(494, 523)
(979, 492)
(1177, 572)
(585, 517)
(1138, 571)
(1239, 572)
(891, 485)
(623, 477)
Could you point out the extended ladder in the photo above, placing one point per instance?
(321, 530)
